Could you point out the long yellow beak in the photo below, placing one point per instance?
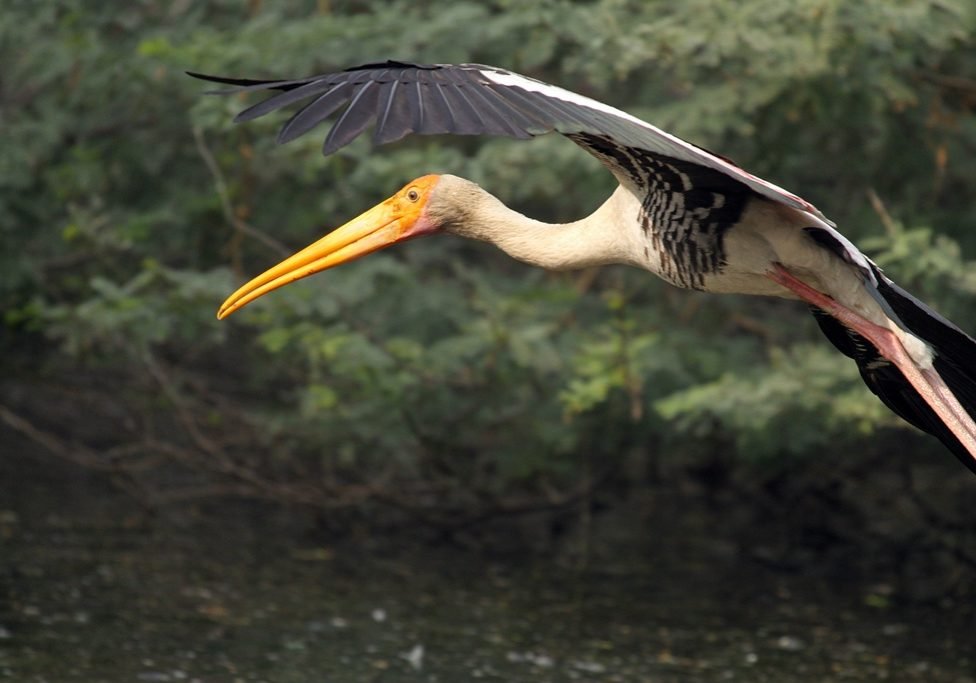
(399, 218)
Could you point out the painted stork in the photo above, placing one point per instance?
(689, 216)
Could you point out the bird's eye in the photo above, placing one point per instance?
(413, 195)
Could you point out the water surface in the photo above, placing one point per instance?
(91, 591)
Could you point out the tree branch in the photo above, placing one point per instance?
(230, 216)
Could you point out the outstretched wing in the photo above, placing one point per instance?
(472, 99)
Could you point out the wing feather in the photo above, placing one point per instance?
(521, 102)
(353, 121)
(509, 121)
(249, 84)
(438, 115)
(456, 115)
(315, 113)
(393, 120)
(283, 99)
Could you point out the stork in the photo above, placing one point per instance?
(689, 216)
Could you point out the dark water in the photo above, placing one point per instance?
(101, 592)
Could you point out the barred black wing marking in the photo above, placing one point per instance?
(471, 99)
(686, 208)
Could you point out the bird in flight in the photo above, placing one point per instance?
(685, 214)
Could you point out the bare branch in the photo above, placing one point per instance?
(232, 218)
(948, 80)
(889, 223)
(73, 452)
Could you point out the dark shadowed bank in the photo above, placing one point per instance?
(573, 450)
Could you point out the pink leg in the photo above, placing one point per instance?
(926, 382)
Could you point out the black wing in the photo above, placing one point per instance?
(472, 99)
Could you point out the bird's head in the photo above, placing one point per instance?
(409, 213)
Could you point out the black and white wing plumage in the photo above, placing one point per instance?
(472, 99)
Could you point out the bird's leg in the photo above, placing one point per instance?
(927, 382)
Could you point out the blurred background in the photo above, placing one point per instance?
(594, 464)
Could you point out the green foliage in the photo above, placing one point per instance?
(130, 204)
(802, 402)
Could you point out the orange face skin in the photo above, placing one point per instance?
(401, 217)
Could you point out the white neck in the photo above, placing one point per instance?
(608, 235)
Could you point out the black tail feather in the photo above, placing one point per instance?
(955, 361)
